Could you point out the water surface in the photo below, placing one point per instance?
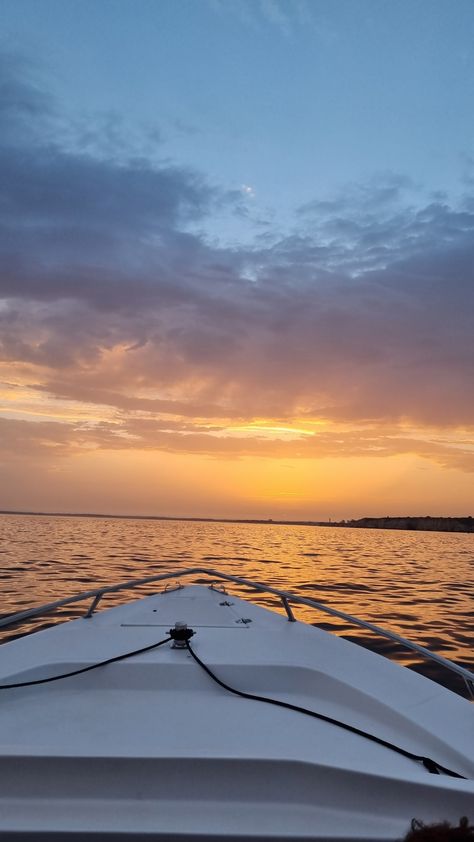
(419, 584)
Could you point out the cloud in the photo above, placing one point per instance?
(382, 190)
(113, 293)
(275, 14)
(44, 444)
(287, 19)
(25, 109)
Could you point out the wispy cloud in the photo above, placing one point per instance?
(286, 18)
(276, 14)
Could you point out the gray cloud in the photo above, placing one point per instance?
(362, 314)
(381, 191)
(25, 109)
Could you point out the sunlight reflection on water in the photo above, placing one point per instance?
(419, 584)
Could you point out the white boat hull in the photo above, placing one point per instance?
(152, 748)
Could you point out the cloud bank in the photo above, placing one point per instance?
(115, 295)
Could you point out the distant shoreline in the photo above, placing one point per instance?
(409, 523)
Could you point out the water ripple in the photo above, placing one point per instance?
(420, 585)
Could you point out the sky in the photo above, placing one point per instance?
(237, 257)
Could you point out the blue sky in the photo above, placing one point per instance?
(292, 99)
(237, 240)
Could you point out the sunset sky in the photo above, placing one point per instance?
(237, 257)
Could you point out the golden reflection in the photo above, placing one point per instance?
(418, 585)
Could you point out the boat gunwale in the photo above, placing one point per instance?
(286, 598)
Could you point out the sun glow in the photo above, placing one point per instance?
(165, 452)
(270, 429)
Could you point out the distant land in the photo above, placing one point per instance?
(425, 523)
(409, 522)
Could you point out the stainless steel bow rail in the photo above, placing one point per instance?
(285, 597)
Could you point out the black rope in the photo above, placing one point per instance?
(429, 764)
(84, 669)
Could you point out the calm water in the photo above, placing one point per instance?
(419, 584)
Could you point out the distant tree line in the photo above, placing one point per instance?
(426, 523)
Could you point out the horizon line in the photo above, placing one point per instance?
(212, 519)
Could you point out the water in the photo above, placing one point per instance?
(419, 584)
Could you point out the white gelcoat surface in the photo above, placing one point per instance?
(151, 746)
